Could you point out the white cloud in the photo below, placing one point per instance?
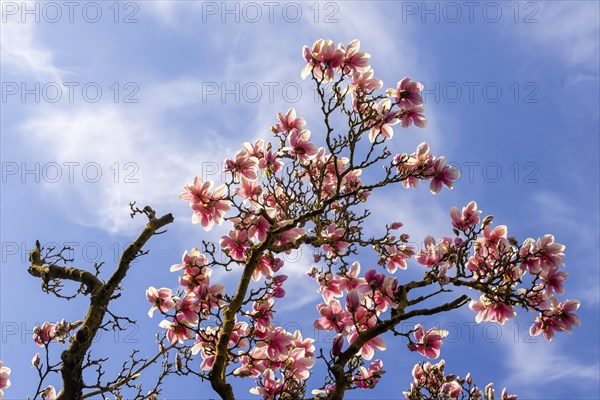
(23, 55)
(567, 29)
(532, 365)
(161, 163)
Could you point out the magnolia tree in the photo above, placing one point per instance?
(311, 191)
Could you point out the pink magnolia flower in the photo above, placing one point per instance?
(528, 260)
(161, 300)
(244, 166)
(397, 257)
(276, 343)
(451, 389)
(271, 162)
(307, 344)
(44, 334)
(262, 311)
(209, 208)
(4, 381)
(267, 265)
(432, 253)
(277, 289)
(299, 364)
(290, 235)
(193, 262)
(187, 309)
(235, 244)
(270, 387)
(428, 343)
(491, 310)
(334, 246)
(176, 331)
(553, 280)
(444, 174)
(556, 317)
(254, 149)
(209, 297)
(408, 116)
(492, 239)
(552, 253)
(250, 190)
(369, 378)
(289, 122)
(468, 218)
(407, 93)
(396, 225)
(566, 316)
(301, 146)
(367, 351)
(334, 317)
(49, 393)
(365, 82)
(355, 60)
(387, 119)
(323, 59)
(351, 280)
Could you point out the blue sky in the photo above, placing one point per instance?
(512, 99)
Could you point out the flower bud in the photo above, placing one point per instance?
(487, 220)
(35, 361)
(338, 342)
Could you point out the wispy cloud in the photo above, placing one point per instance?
(22, 53)
(567, 30)
(153, 165)
(532, 365)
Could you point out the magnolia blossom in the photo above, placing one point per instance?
(489, 310)
(301, 146)
(209, 208)
(557, 317)
(413, 115)
(387, 118)
(407, 94)
(49, 393)
(176, 331)
(333, 317)
(428, 343)
(334, 245)
(243, 167)
(235, 244)
(444, 174)
(44, 334)
(323, 59)
(356, 60)
(161, 300)
(269, 387)
(289, 122)
(367, 351)
(397, 257)
(468, 218)
(368, 378)
(4, 381)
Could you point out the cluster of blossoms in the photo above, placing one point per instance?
(296, 191)
(429, 381)
(402, 104)
(500, 263)
(422, 165)
(293, 192)
(4, 381)
(59, 331)
(196, 302)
